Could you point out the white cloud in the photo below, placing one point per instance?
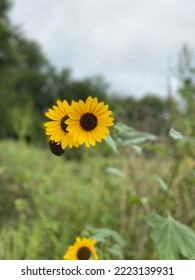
(127, 41)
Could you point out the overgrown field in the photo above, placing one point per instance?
(46, 201)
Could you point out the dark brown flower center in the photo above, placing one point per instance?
(63, 124)
(88, 121)
(83, 253)
(55, 149)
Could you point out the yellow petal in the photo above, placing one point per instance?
(70, 142)
(105, 122)
(51, 114)
(104, 114)
(100, 133)
(103, 129)
(73, 128)
(58, 111)
(98, 108)
(75, 135)
(76, 144)
(74, 116)
(52, 124)
(82, 106)
(64, 142)
(91, 139)
(62, 107)
(72, 121)
(94, 104)
(101, 110)
(89, 102)
(48, 133)
(96, 136)
(53, 128)
(87, 143)
(59, 136)
(82, 136)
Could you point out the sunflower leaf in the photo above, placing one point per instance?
(162, 183)
(127, 136)
(110, 141)
(172, 239)
(116, 172)
(157, 149)
(116, 251)
(175, 134)
(106, 234)
(137, 149)
(178, 136)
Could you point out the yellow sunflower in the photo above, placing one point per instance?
(88, 121)
(57, 128)
(82, 249)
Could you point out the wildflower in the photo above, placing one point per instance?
(57, 128)
(88, 121)
(82, 249)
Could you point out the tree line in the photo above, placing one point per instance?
(29, 84)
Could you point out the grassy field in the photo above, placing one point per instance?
(46, 201)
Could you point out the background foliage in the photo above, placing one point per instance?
(131, 198)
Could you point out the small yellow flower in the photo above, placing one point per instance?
(88, 121)
(82, 249)
(57, 128)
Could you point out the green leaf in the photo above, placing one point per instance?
(178, 136)
(123, 128)
(116, 172)
(155, 148)
(127, 136)
(172, 239)
(110, 141)
(175, 134)
(162, 183)
(106, 234)
(137, 149)
(116, 251)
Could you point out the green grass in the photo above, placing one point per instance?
(46, 201)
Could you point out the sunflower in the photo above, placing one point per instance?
(56, 148)
(88, 121)
(57, 128)
(82, 249)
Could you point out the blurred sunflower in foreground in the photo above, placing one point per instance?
(82, 249)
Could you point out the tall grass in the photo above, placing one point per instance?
(46, 201)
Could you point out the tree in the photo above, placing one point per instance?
(4, 7)
(81, 89)
(186, 74)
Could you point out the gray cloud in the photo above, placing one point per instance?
(131, 43)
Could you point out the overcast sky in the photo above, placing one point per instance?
(133, 44)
